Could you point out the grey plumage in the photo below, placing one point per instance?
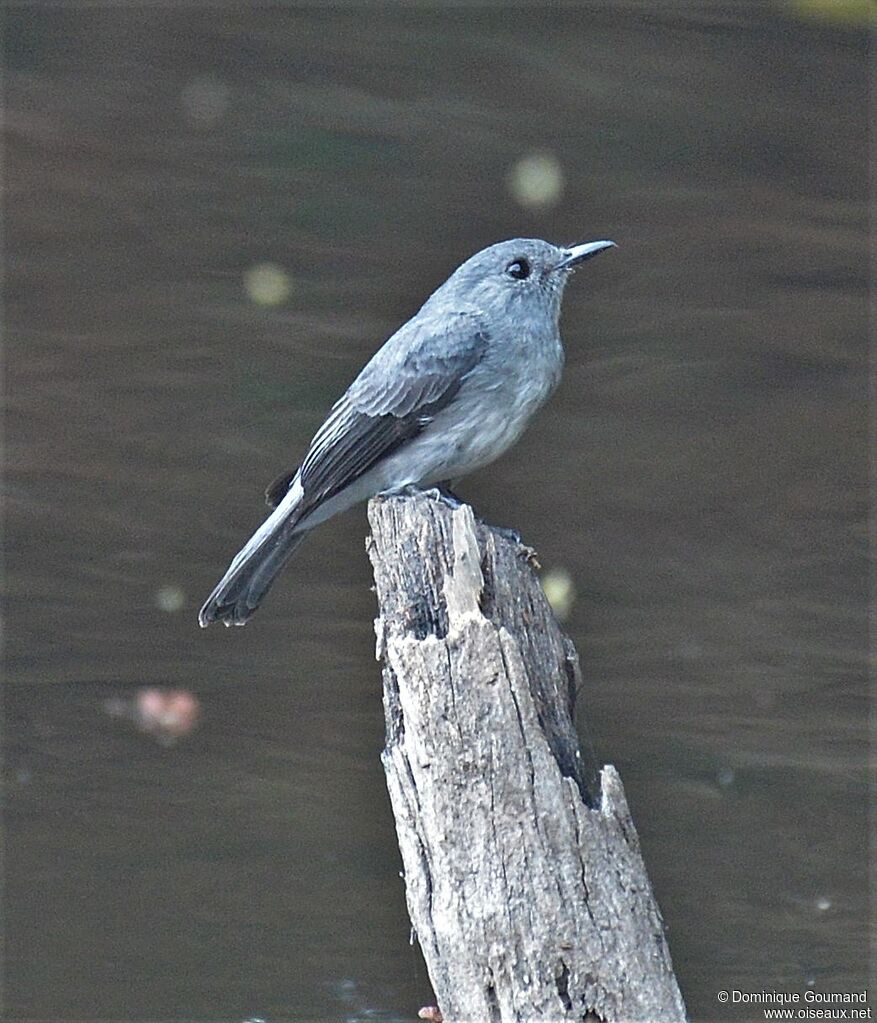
(449, 392)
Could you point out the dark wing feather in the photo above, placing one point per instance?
(278, 487)
(415, 375)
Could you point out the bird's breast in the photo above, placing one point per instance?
(495, 404)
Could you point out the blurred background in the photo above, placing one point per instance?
(213, 217)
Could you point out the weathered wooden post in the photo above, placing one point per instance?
(528, 895)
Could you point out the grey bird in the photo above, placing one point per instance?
(448, 393)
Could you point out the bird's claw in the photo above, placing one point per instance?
(444, 496)
(440, 494)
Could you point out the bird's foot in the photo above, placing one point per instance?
(439, 493)
(444, 495)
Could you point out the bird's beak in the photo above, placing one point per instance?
(576, 254)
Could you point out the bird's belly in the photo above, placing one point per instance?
(488, 437)
(468, 436)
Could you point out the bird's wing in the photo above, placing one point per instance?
(417, 373)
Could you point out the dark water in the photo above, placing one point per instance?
(701, 475)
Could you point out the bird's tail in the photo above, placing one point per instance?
(254, 568)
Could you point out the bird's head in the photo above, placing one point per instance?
(524, 275)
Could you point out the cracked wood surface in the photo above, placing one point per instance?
(524, 881)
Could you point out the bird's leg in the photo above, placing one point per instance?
(438, 493)
(442, 492)
(443, 495)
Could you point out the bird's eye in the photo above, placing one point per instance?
(519, 269)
